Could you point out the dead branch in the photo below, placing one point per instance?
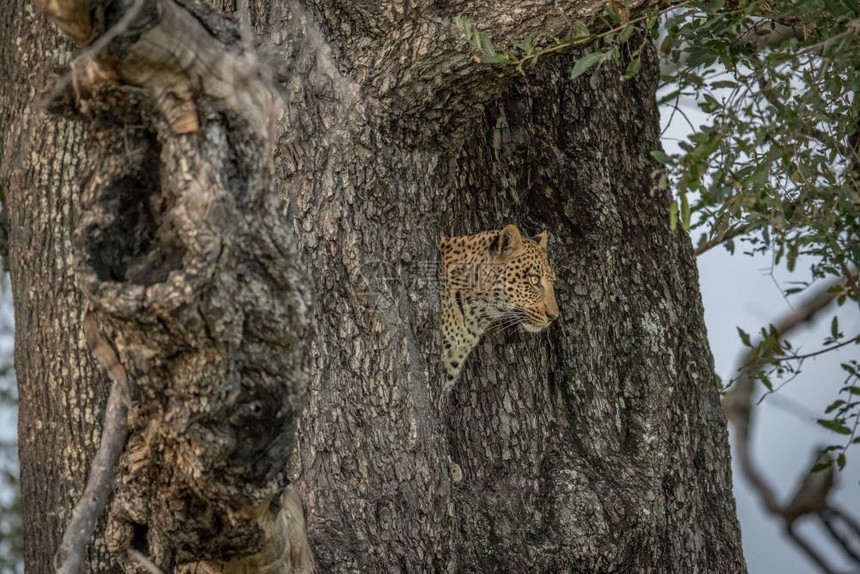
(100, 483)
(829, 517)
(812, 495)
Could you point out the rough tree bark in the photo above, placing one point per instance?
(596, 446)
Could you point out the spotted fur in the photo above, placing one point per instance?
(492, 277)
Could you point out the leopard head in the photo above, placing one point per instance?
(496, 277)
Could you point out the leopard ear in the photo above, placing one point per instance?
(540, 239)
(509, 242)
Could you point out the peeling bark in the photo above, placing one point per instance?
(596, 446)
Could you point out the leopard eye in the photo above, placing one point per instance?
(534, 280)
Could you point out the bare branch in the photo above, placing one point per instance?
(807, 549)
(812, 495)
(722, 238)
(827, 518)
(737, 402)
(144, 562)
(83, 61)
(100, 483)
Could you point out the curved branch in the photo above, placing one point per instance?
(737, 402)
(812, 495)
(100, 482)
(722, 238)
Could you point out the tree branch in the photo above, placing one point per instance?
(737, 402)
(722, 238)
(844, 542)
(812, 495)
(100, 483)
(807, 549)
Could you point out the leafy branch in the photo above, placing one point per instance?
(619, 28)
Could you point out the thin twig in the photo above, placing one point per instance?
(852, 341)
(90, 53)
(99, 485)
(808, 549)
(145, 562)
(851, 279)
(672, 115)
(843, 541)
(722, 237)
(70, 554)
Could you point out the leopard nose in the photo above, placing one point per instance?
(551, 315)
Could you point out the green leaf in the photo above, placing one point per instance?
(724, 84)
(661, 156)
(699, 55)
(528, 46)
(652, 24)
(745, 338)
(835, 426)
(632, 68)
(666, 45)
(686, 214)
(584, 63)
(626, 33)
(834, 327)
(840, 460)
(668, 97)
(488, 48)
(580, 30)
(673, 216)
(833, 406)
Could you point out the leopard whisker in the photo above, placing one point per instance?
(496, 327)
(509, 321)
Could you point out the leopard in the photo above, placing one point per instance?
(492, 278)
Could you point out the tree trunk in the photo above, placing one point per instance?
(595, 446)
(62, 391)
